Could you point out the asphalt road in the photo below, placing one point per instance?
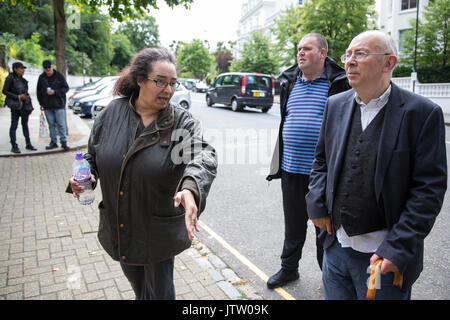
(245, 214)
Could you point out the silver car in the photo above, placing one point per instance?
(182, 97)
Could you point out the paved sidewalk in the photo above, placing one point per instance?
(48, 242)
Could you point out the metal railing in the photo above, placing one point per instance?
(424, 89)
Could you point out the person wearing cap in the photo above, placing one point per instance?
(18, 100)
(51, 93)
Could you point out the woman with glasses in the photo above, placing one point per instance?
(155, 173)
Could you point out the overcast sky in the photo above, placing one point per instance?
(212, 20)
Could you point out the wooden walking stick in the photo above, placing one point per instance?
(375, 274)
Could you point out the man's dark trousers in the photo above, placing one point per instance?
(294, 187)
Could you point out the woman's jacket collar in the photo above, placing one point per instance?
(166, 117)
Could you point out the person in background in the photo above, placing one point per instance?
(379, 175)
(51, 93)
(18, 100)
(155, 172)
(305, 88)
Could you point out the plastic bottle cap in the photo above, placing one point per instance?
(79, 156)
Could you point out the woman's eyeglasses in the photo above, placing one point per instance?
(164, 84)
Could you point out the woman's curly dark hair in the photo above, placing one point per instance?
(141, 65)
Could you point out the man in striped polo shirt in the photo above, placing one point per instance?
(305, 88)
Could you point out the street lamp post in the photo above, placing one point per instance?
(414, 74)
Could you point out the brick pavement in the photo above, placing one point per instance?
(49, 248)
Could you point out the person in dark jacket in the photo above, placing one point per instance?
(51, 93)
(305, 88)
(155, 172)
(18, 100)
(379, 175)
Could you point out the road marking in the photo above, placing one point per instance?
(244, 260)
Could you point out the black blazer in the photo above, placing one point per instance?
(410, 176)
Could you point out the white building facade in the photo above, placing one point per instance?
(395, 16)
(259, 15)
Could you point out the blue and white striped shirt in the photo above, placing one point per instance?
(304, 114)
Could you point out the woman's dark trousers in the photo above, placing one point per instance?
(15, 116)
(151, 282)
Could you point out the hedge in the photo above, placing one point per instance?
(429, 74)
(3, 75)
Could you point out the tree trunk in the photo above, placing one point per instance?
(60, 36)
(60, 42)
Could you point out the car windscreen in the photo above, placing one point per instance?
(259, 82)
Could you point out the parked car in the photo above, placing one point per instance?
(189, 83)
(241, 90)
(201, 87)
(89, 90)
(84, 104)
(89, 85)
(182, 96)
(100, 105)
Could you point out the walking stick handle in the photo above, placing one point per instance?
(375, 274)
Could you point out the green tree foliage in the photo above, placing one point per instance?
(287, 32)
(256, 56)
(339, 21)
(76, 60)
(142, 33)
(432, 41)
(122, 53)
(29, 50)
(3, 75)
(90, 39)
(22, 22)
(117, 9)
(193, 59)
(89, 42)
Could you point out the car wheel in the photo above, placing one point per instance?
(209, 102)
(265, 109)
(235, 105)
(184, 104)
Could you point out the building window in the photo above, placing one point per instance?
(300, 2)
(409, 4)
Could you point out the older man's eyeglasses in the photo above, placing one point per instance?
(164, 84)
(360, 55)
